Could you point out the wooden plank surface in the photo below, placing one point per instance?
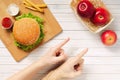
(51, 27)
(101, 62)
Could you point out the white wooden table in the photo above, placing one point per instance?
(101, 62)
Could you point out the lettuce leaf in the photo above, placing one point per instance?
(40, 22)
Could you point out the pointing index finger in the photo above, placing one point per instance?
(62, 44)
(82, 53)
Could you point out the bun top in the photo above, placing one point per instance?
(26, 31)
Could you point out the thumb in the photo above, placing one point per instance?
(61, 56)
(80, 68)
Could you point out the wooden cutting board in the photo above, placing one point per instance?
(51, 27)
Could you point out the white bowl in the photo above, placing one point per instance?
(13, 9)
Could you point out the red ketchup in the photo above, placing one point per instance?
(7, 23)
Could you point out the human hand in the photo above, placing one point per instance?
(55, 55)
(72, 67)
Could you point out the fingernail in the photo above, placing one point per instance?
(81, 50)
(68, 38)
(85, 49)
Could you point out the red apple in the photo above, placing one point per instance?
(101, 17)
(7, 23)
(85, 9)
(109, 37)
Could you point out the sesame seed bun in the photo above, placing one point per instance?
(26, 31)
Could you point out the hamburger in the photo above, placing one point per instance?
(28, 31)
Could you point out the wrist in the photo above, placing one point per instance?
(43, 62)
(53, 75)
(38, 65)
